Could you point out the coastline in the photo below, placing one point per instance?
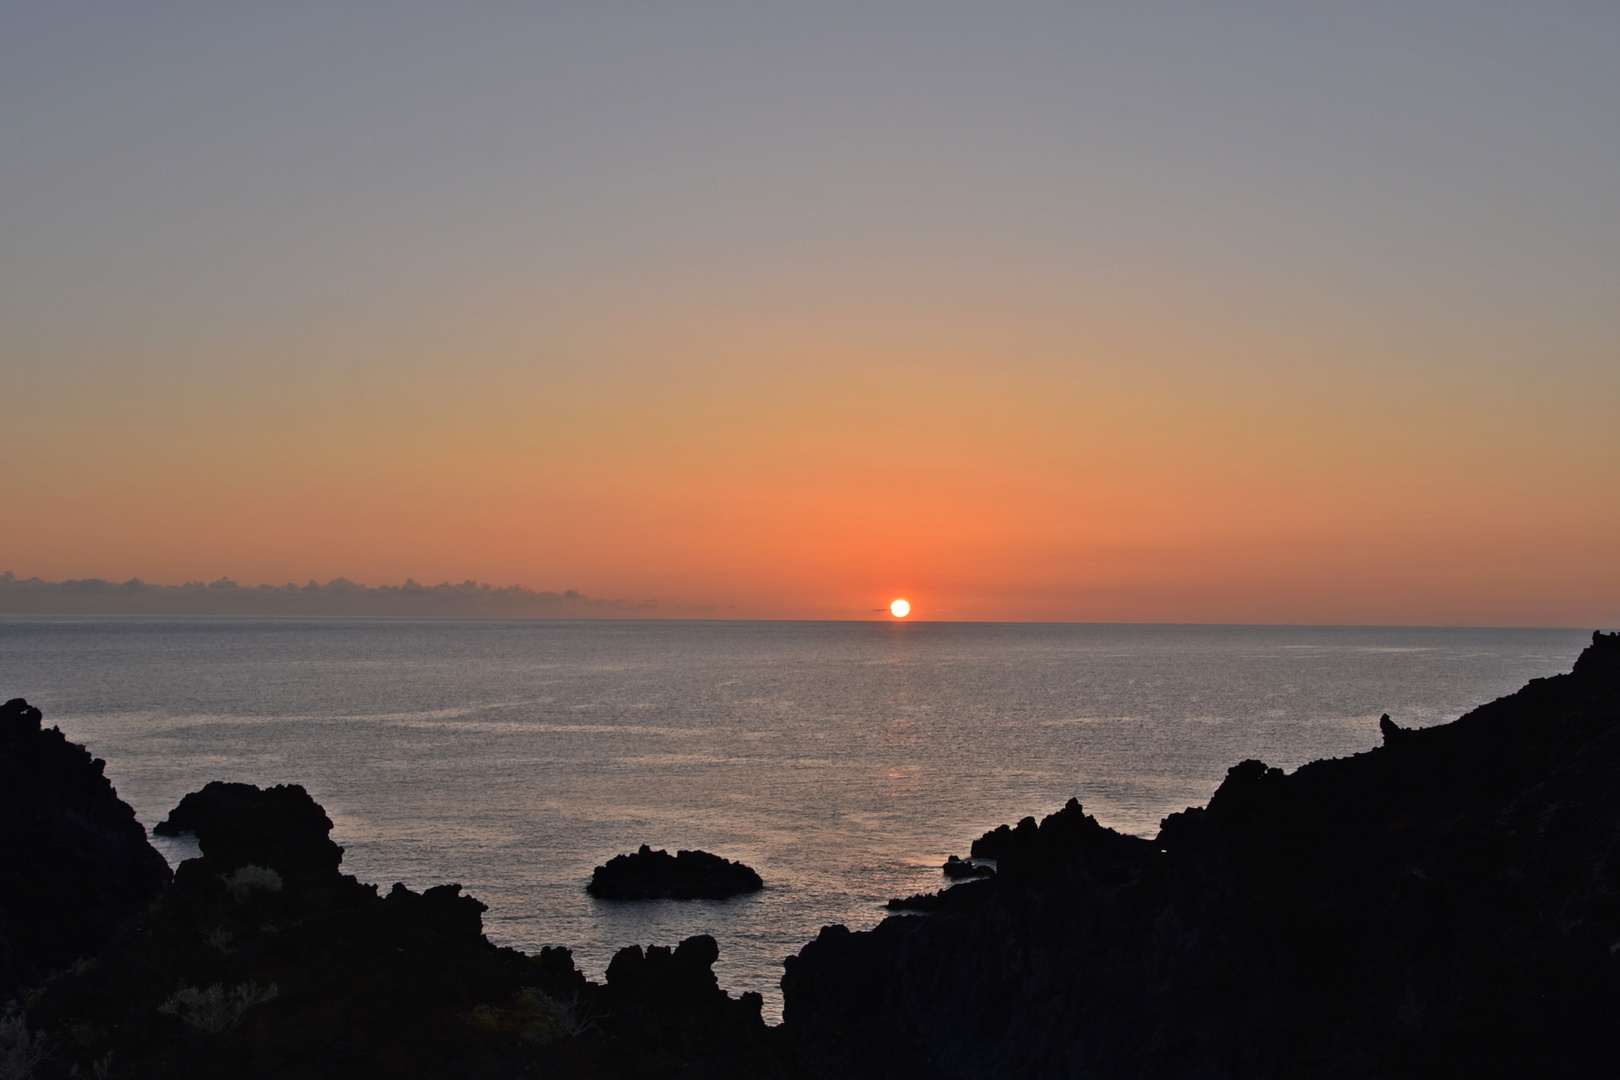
(1326, 826)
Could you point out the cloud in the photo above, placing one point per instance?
(338, 597)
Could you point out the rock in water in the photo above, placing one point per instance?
(657, 875)
(956, 869)
(74, 862)
(1447, 904)
(237, 825)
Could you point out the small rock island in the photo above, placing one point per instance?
(658, 875)
(956, 869)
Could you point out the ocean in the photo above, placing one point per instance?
(843, 761)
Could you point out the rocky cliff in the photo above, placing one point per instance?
(74, 862)
(1447, 904)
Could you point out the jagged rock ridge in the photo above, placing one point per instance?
(1446, 904)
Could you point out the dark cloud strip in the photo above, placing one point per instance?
(338, 597)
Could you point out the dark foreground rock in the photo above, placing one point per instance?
(74, 862)
(262, 960)
(1445, 905)
(658, 875)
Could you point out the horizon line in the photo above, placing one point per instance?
(344, 598)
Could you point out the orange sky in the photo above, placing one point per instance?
(1239, 345)
(1196, 472)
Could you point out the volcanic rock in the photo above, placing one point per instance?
(74, 862)
(918, 902)
(236, 825)
(263, 961)
(686, 875)
(956, 868)
(1447, 904)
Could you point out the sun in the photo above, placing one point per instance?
(900, 609)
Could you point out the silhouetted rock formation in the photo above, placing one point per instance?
(668, 1006)
(657, 875)
(967, 894)
(1389, 729)
(280, 828)
(917, 902)
(262, 960)
(1446, 904)
(998, 841)
(957, 869)
(74, 862)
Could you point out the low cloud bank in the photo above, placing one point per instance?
(470, 599)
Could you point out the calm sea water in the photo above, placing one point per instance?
(843, 761)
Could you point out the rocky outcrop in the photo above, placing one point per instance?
(239, 824)
(271, 840)
(1446, 904)
(668, 1005)
(968, 894)
(957, 869)
(262, 960)
(686, 875)
(74, 862)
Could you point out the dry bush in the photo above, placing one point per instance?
(216, 1009)
(244, 881)
(19, 1052)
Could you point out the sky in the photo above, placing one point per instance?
(1283, 313)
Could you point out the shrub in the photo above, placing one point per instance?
(533, 1016)
(216, 1009)
(244, 881)
(19, 1052)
